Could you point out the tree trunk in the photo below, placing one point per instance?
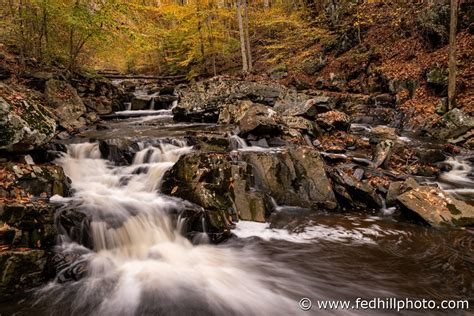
(246, 33)
(452, 55)
(242, 37)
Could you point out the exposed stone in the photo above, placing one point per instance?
(260, 120)
(65, 103)
(309, 108)
(293, 177)
(22, 270)
(438, 208)
(242, 187)
(382, 133)
(334, 120)
(24, 123)
(301, 124)
(350, 190)
(203, 101)
(437, 78)
(119, 150)
(141, 102)
(451, 125)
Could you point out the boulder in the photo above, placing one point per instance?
(234, 112)
(260, 120)
(334, 120)
(203, 101)
(451, 125)
(437, 207)
(301, 124)
(121, 151)
(24, 123)
(309, 108)
(26, 190)
(382, 133)
(141, 102)
(437, 79)
(353, 191)
(99, 105)
(293, 177)
(242, 187)
(209, 181)
(22, 270)
(65, 103)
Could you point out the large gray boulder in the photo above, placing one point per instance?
(295, 177)
(203, 101)
(65, 103)
(451, 125)
(24, 123)
(437, 207)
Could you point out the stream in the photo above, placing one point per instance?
(141, 264)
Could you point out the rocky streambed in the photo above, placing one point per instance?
(242, 198)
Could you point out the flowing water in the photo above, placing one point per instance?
(141, 264)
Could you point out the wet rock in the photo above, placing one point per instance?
(24, 123)
(242, 187)
(351, 190)
(426, 155)
(67, 266)
(65, 103)
(334, 120)
(260, 120)
(22, 271)
(397, 188)
(207, 180)
(451, 125)
(384, 99)
(74, 224)
(33, 224)
(118, 150)
(141, 102)
(293, 177)
(437, 208)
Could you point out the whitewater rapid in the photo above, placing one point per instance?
(141, 264)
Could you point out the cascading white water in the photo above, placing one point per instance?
(142, 265)
(459, 179)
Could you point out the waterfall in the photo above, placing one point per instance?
(237, 142)
(141, 264)
(459, 180)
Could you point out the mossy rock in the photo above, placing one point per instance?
(24, 123)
